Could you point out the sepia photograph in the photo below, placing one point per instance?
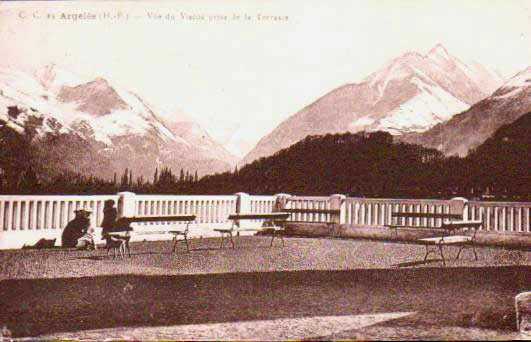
(229, 170)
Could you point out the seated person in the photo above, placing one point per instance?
(75, 229)
(86, 242)
(110, 224)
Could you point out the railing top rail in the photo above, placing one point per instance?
(397, 200)
(500, 204)
(262, 197)
(184, 197)
(56, 197)
(308, 198)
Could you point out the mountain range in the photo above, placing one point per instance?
(112, 126)
(95, 127)
(412, 93)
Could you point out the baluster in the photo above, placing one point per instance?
(25, 218)
(9, 213)
(193, 205)
(518, 219)
(208, 211)
(204, 216)
(215, 210)
(527, 226)
(2, 215)
(47, 215)
(506, 219)
(16, 216)
(201, 210)
(511, 220)
(33, 214)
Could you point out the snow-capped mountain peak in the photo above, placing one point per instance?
(114, 123)
(51, 77)
(439, 52)
(411, 93)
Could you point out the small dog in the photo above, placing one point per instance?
(41, 244)
(118, 243)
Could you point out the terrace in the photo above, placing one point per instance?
(335, 286)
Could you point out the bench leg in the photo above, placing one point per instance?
(273, 235)
(122, 249)
(174, 243)
(186, 242)
(442, 255)
(228, 237)
(474, 250)
(459, 252)
(433, 250)
(231, 240)
(222, 238)
(428, 251)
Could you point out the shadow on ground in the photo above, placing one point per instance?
(465, 297)
(418, 262)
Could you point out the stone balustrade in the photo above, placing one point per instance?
(24, 219)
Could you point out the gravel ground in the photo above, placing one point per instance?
(52, 291)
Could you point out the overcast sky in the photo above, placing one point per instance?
(251, 73)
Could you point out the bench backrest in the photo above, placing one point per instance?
(429, 215)
(266, 216)
(175, 218)
(312, 211)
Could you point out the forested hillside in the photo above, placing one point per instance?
(361, 164)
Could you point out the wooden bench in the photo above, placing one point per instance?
(236, 218)
(405, 218)
(123, 231)
(451, 225)
(332, 212)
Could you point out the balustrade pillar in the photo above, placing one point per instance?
(337, 202)
(126, 204)
(280, 202)
(243, 202)
(458, 206)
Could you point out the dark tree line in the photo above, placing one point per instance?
(373, 165)
(163, 182)
(360, 165)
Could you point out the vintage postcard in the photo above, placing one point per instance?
(265, 170)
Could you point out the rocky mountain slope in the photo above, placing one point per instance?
(113, 126)
(412, 93)
(472, 127)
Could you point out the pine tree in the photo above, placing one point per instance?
(125, 179)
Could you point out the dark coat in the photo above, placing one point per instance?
(74, 230)
(109, 219)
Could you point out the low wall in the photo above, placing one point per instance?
(500, 239)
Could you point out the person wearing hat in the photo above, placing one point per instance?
(109, 218)
(110, 224)
(75, 229)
